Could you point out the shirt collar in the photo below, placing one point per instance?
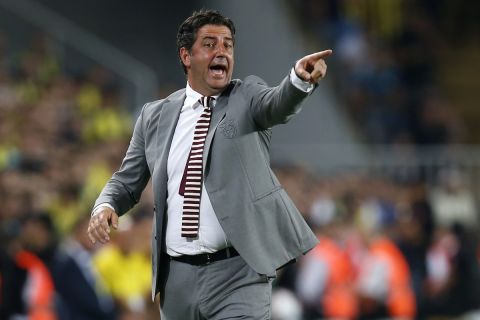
(192, 97)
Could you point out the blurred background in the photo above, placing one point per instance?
(383, 161)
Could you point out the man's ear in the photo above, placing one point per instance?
(185, 56)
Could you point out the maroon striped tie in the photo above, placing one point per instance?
(191, 185)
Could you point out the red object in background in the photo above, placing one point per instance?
(40, 289)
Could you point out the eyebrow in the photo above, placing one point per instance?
(215, 38)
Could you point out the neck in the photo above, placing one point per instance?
(207, 92)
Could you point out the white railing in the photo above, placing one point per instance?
(426, 160)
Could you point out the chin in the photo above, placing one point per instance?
(219, 85)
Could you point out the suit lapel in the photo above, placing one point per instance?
(166, 127)
(218, 113)
(168, 121)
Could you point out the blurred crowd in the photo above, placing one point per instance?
(388, 58)
(389, 248)
(62, 134)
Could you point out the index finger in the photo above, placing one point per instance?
(320, 54)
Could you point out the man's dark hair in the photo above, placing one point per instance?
(187, 32)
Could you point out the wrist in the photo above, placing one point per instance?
(296, 73)
(299, 83)
(100, 207)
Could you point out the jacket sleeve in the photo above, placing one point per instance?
(125, 187)
(273, 105)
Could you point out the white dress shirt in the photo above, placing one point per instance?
(211, 236)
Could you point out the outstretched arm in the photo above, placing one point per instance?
(274, 105)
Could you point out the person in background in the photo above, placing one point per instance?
(27, 287)
(77, 282)
(124, 265)
(325, 282)
(384, 283)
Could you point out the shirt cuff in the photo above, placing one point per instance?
(300, 84)
(101, 206)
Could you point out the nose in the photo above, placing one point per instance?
(220, 50)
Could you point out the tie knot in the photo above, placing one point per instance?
(206, 102)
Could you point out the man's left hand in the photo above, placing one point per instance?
(312, 68)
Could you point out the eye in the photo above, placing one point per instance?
(209, 45)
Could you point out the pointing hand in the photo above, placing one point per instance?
(312, 68)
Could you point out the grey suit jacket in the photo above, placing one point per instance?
(255, 212)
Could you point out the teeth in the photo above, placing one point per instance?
(217, 71)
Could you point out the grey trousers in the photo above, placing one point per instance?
(226, 289)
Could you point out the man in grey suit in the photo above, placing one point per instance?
(216, 249)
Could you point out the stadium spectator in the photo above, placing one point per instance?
(77, 281)
(28, 289)
(325, 282)
(124, 265)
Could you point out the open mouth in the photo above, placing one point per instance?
(218, 70)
